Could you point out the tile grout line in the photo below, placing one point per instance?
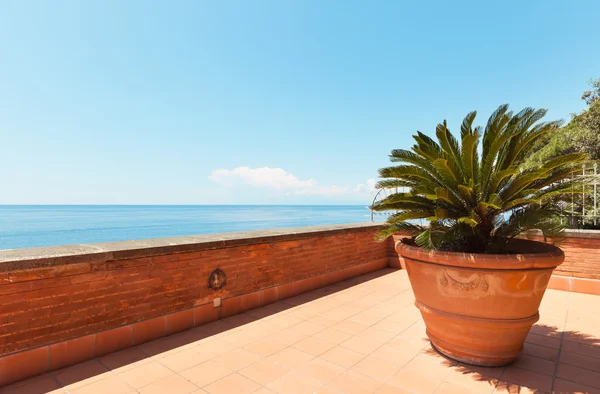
(562, 339)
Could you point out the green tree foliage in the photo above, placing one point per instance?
(582, 134)
(592, 95)
(587, 137)
(474, 191)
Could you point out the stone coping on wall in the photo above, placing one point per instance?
(28, 258)
(573, 233)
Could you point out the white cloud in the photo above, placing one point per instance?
(278, 179)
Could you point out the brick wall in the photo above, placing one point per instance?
(582, 258)
(582, 254)
(48, 302)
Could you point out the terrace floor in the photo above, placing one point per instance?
(359, 336)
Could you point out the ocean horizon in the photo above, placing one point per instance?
(23, 226)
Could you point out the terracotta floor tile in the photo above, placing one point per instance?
(173, 384)
(111, 385)
(472, 382)
(342, 313)
(404, 343)
(288, 336)
(581, 348)
(206, 373)
(393, 326)
(162, 347)
(320, 370)
(264, 390)
(343, 357)
(579, 360)
(328, 390)
(125, 359)
(394, 355)
(308, 328)
(376, 368)
(294, 383)
(234, 383)
(449, 388)
(265, 347)
(416, 331)
(145, 374)
(304, 313)
(513, 388)
(237, 359)
(284, 321)
(38, 385)
(183, 360)
(391, 389)
(418, 383)
(562, 386)
(313, 346)
(361, 345)
(479, 372)
(238, 320)
(213, 348)
(543, 340)
(579, 375)
(290, 357)
(333, 335)
(376, 335)
(366, 318)
(354, 383)
(530, 379)
(540, 351)
(217, 328)
(531, 363)
(548, 327)
(325, 320)
(81, 374)
(264, 371)
(350, 326)
(242, 338)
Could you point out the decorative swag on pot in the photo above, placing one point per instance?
(461, 204)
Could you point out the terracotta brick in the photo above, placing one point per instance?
(588, 286)
(19, 366)
(251, 301)
(72, 351)
(559, 283)
(304, 285)
(115, 339)
(230, 306)
(270, 295)
(149, 330)
(205, 314)
(12, 288)
(286, 291)
(179, 321)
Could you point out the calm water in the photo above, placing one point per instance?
(44, 225)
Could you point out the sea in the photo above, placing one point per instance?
(23, 226)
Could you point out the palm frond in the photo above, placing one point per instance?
(476, 192)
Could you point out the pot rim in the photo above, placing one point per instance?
(535, 255)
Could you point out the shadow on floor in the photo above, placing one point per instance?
(572, 359)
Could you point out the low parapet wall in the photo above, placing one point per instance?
(63, 305)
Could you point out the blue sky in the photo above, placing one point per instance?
(262, 102)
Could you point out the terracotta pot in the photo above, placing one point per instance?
(479, 308)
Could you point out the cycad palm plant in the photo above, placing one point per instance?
(475, 193)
